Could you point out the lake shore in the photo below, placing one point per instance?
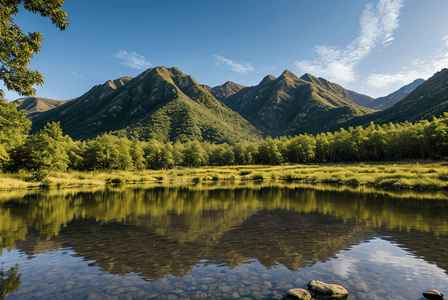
(424, 175)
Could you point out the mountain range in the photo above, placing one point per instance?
(165, 104)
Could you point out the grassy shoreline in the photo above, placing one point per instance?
(425, 175)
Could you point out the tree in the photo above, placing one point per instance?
(45, 149)
(14, 127)
(16, 48)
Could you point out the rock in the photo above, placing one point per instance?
(322, 288)
(433, 295)
(299, 294)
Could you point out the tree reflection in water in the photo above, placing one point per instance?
(9, 281)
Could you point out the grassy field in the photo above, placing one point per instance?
(400, 175)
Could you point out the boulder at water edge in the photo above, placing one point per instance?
(333, 290)
(300, 294)
(433, 295)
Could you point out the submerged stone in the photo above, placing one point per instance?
(333, 290)
(299, 294)
(433, 295)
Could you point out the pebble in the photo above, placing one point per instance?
(433, 295)
(323, 288)
(300, 294)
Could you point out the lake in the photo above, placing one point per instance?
(221, 240)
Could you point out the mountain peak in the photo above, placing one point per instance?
(289, 74)
(232, 84)
(267, 79)
(308, 77)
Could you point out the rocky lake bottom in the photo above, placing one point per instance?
(171, 243)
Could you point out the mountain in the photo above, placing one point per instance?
(391, 99)
(36, 105)
(359, 99)
(289, 105)
(427, 100)
(160, 103)
(226, 90)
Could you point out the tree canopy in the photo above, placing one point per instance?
(17, 48)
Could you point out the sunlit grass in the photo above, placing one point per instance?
(397, 176)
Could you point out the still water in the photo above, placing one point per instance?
(221, 241)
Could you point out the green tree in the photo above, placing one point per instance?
(16, 48)
(46, 149)
(14, 127)
(194, 155)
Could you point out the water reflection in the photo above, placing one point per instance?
(184, 230)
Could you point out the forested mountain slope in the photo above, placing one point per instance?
(226, 90)
(391, 99)
(289, 105)
(360, 99)
(429, 99)
(160, 103)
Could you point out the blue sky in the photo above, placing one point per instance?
(371, 47)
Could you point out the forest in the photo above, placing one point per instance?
(50, 149)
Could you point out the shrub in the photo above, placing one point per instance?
(244, 173)
(288, 177)
(40, 175)
(443, 176)
(257, 176)
(116, 180)
(46, 184)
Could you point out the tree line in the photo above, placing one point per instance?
(50, 149)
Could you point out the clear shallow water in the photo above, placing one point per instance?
(221, 241)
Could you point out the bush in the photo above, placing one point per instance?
(40, 176)
(257, 176)
(196, 179)
(288, 177)
(443, 176)
(46, 184)
(116, 180)
(244, 173)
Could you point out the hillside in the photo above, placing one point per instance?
(360, 99)
(391, 99)
(160, 103)
(429, 99)
(36, 105)
(289, 105)
(226, 90)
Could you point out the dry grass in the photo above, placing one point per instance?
(411, 175)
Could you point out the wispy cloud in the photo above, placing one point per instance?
(236, 66)
(377, 25)
(445, 39)
(133, 60)
(385, 80)
(78, 75)
(417, 69)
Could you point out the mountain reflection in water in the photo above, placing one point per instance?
(168, 230)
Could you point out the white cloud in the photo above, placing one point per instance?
(240, 67)
(419, 69)
(385, 80)
(377, 25)
(133, 60)
(78, 75)
(445, 38)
